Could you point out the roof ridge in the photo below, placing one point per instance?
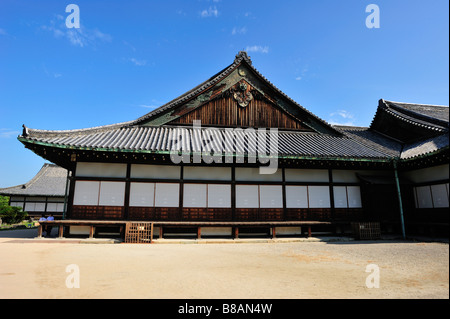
(197, 89)
(31, 181)
(406, 115)
(240, 57)
(94, 128)
(409, 103)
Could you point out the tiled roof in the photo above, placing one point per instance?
(424, 147)
(393, 148)
(49, 181)
(168, 138)
(432, 117)
(427, 128)
(373, 139)
(438, 112)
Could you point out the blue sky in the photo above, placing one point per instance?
(129, 57)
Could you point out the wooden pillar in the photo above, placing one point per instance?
(181, 194)
(91, 231)
(46, 204)
(331, 187)
(127, 192)
(40, 230)
(72, 181)
(309, 231)
(61, 231)
(151, 233)
(199, 232)
(236, 232)
(284, 194)
(274, 233)
(233, 193)
(160, 232)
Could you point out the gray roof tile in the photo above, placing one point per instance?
(49, 181)
(167, 138)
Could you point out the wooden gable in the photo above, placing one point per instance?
(238, 96)
(241, 105)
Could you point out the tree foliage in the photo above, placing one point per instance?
(10, 214)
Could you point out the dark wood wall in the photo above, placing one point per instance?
(225, 111)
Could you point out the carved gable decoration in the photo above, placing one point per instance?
(242, 93)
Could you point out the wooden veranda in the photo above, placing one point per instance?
(123, 224)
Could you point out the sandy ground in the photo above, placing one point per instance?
(288, 270)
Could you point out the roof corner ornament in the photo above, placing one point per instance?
(24, 131)
(243, 55)
(242, 94)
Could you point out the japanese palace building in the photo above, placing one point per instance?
(43, 194)
(237, 149)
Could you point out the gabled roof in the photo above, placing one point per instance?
(398, 130)
(405, 130)
(393, 148)
(243, 61)
(49, 181)
(408, 122)
(156, 117)
(437, 115)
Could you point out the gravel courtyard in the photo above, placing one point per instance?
(282, 270)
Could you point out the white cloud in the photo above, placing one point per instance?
(51, 74)
(257, 48)
(81, 37)
(237, 30)
(138, 62)
(342, 117)
(343, 113)
(302, 74)
(7, 133)
(153, 105)
(210, 12)
(148, 106)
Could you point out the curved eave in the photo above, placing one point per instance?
(409, 117)
(426, 155)
(234, 155)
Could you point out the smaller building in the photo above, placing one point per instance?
(43, 194)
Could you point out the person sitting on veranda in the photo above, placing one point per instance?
(49, 228)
